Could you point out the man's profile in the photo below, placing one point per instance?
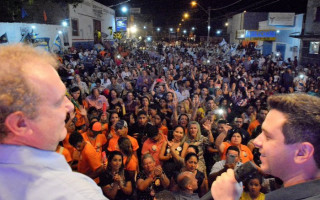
(290, 149)
(33, 110)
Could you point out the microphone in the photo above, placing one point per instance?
(241, 174)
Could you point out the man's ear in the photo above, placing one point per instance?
(304, 152)
(16, 123)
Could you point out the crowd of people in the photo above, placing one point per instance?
(168, 116)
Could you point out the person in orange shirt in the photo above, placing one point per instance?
(157, 121)
(94, 136)
(90, 160)
(81, 107)
(260, 118)
(121, 129)
(154, 143)
(65, 152)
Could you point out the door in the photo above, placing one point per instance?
(267, 48)
(97, 31)
(282, 49)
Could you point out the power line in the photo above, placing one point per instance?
(213, 9)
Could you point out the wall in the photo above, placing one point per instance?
(283, 37)
(312, 27)
(43, 30)
(85, 13)
(251, 19)
(236, 24)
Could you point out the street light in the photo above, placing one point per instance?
(171, 29)
(226, 24)
(218, 32)
(144, 27)
(158, 29)
(124, 9)
(184, 31)
(186, 15)
(193, 28)
(193, 4)
(64, 24)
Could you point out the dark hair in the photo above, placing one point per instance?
(112, 154)
(75, 138)
(302, 112)
(195, 148)
(123, 146)
(233, 148)
(141, 112)
(121, 124)
(75, 89)
(232, 132)
(153, 131)
(253, 176)
(189, 155)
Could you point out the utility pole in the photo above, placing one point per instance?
(209, 27)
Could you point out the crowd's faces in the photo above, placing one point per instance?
(262, 115)
(96, 93)
(183, 121)
(123, 132)
(113, 94)
(178, 134)
(130, 96)
(211, 105)
(238, 121)
(157, 120)
(78, 79)
(76, 95)
(113, 81)
(142, 120)
(193, 130)
(275, 154)
(254, 187)
(236, 139)
(235, 154)
(116, 162)
(80, 146)
(169, 96)
(192, 164)
(48, 128)
(196, 84)
(145, 102)
(144, 90)
(149, 165)
(114, 118)
(204, 92)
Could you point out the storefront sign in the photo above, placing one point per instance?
(263, 35)
(281, 19)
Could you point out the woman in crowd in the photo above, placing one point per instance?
(130, 160)
(191, 164)
(80, 107)
(151, 179)
(145, 102)
(234, 138)
(115, 183)
(130, 103)
(172, 152)
(116, 104)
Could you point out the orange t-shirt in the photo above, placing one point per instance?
(164, 130)
(113, 143)
(97, 143)
(63, 151)
(133, 163)
(80, 118)
(245, 153)
(67, 145)
(153, 148)
(90, 160)
(253, 125)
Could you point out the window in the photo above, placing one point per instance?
(75, 27)
(317, 15)
(314, 48)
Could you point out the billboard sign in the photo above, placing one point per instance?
(121, 24)
(281, 19)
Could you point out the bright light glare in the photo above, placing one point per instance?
(158, 29)
(193, 3)
(193, 28)
(60, 32)
(133, 29)
(144, 27)
(149, 39)
(278, 31)
(220, 111)
(186, 15)
(184, 31)
(171, 29)
(33, 26)
(124, 9)
(226, 24)
(64, 23)
(218, 32)
(118, 56)
(209, 27)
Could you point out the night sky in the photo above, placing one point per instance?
(168, 13)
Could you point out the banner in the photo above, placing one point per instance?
(3, 38)
(57, 42)
(121, 24)
(42, 42)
